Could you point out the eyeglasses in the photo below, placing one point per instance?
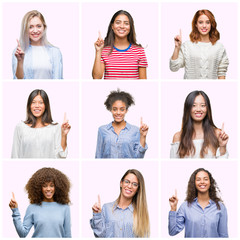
(126, 182)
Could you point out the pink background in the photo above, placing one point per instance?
(95, 114)
(103, 178)
(96, 17)
(63, 97)
(175, 175)
(16, 175)
(62, 31)
(175, 16)
(223, 98)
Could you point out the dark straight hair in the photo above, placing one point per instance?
(46, 117)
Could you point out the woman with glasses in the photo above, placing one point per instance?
(127, 217)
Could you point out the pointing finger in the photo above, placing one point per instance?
(175, 192)
(222, 127)
(180, 32)
(13, 196)
(18, 43)
(99, 200)
(65, 118)
(141, 121)
(99, 35)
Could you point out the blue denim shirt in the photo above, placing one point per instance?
(208, 222)
(113, 221)
(55, 60)
(125, 145)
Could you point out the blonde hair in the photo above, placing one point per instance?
(141, 223)
(24, 35)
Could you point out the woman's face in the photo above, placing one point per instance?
(35, 31)
(202, 182)
(118, 111)
(48, 190)
(203, 25)
(199, 108)
(121, 26)
(37, 106)
(129, 186)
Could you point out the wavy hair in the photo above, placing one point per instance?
(186, 146)
(214, 35)
(24, 34)
(192, 192)
(118, 95)
(110, 38)
(45, 175)
(141, 223)
(46, 117)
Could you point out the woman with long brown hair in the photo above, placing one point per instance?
(128, 215)
(203, 214)
(39, 136)
(119, 56)
(199, 137)
(203, 57)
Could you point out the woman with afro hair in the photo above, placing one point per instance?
(203, 57)
(49, 212)
(119, 139)
(203, 214)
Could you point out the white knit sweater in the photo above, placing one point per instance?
(201, 60)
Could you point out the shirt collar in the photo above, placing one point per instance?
(130, 207)
(109, 126)
(210, 201)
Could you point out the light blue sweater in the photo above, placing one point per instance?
(50, 220)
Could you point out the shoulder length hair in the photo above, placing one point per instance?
(186, 146)
(24, 34)
(141, 224)
(192, 192)
(44, 175)
(110, 38)
(46, 117)
(214, 35)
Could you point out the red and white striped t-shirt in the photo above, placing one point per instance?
(123, 63)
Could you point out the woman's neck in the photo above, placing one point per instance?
(203, 199)
(39, 123)
(205, 39)
(118, 126)
(198, 130)
(121, 43)
(124, 202)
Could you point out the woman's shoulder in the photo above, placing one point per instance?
(176, 137)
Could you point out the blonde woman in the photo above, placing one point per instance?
(35, 57)
(127, 217)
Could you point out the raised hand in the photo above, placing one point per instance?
(143, 128)
(173, 201)
(97, 206)
(19, 52)
(222, 138)
(178, 40)
(13, 202)
(65, 126)
(99, 44)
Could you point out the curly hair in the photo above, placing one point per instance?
(118, 95)
(192, 192)
(214, 35)
(44, 175)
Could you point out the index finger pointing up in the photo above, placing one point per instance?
(65, 118)
(175, 192)
(141, 121)
(13, 196)
(180, 32)
(99, 200)
(222, 127)
(99, 35)
(18, 43)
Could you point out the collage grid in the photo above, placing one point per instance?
(159, 101)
